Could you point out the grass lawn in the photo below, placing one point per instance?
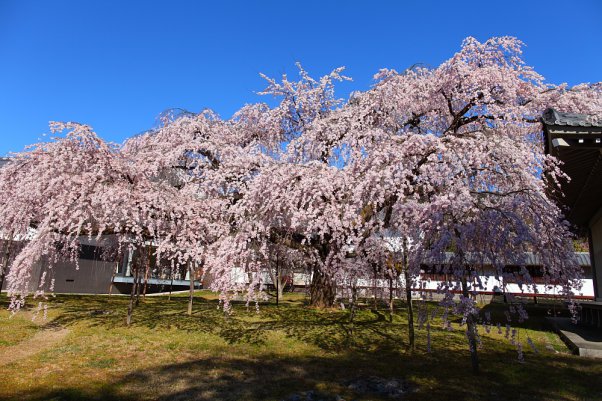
(84, 351)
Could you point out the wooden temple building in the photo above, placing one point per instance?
(576, 140)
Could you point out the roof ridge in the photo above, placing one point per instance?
(552, 116)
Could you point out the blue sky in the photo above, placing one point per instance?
(116, 65)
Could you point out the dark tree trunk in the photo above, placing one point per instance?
(391, 305)
(171, 283)
(408, 284)
(191, 294)
(146, 271)
(353, 303)
(352, 312)
(278, 285)
(471, 333)
(322, 291)
(138, 285)
(411, 335)
(119, 263)
(132, 296)
(375, 305)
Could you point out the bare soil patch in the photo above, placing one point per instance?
(44, 339)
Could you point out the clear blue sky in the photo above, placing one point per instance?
(117, 64)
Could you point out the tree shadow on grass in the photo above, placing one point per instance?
(440, 376)
(330, 330)
(371, 345)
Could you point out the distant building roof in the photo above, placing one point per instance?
(526, 258)
(3, 161)
(554, 117)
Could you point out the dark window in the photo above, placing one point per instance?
(90, 252)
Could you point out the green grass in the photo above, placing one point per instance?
(268, 355)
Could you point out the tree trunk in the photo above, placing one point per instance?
(353, 303)
(375, 305)
(138, 285)
(277, 282)
(470, 331)
(191, 294)
(146, 271)
(322, 291)
(408, 280)
(119, 262)
(132, 297)
(171, 283)
(281, 285)
(408, 284)
(391, 306)
(352, 311)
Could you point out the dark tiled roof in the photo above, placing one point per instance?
(3, 161)
(526, 258)
(553, 117)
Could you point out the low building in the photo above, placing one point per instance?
(97, 272)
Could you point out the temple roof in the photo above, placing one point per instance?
(554, 117)
(576, 140)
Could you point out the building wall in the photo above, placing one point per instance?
(35, 280)
(92, 277)
(490, 284)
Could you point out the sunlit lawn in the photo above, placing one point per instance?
(270, 354)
